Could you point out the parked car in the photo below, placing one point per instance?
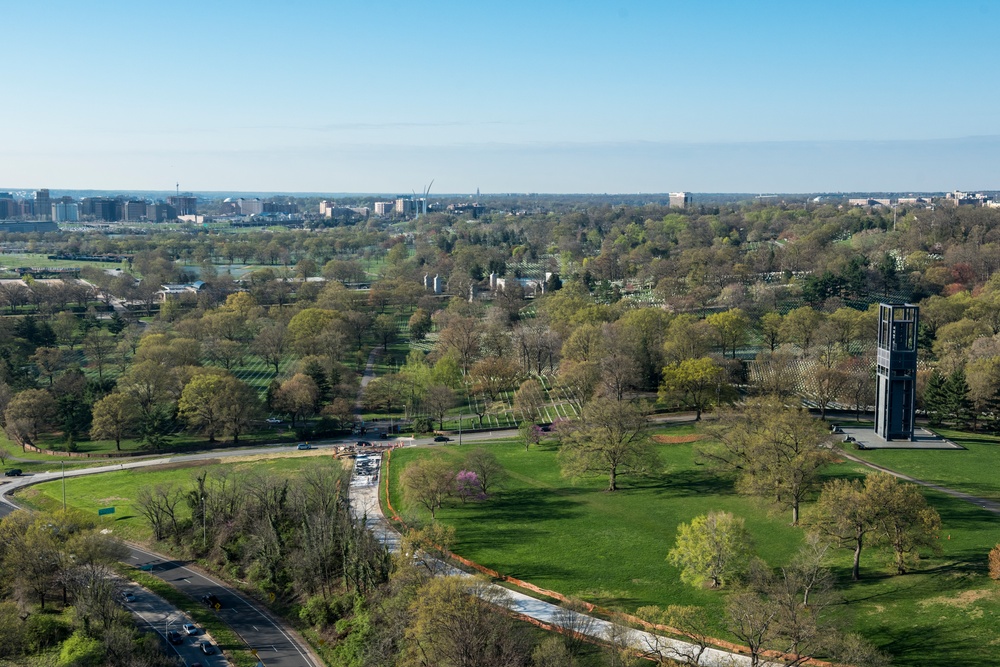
(305, 445)
(442, 438)
(128, 596)
(190, 629)
(175, 638)
(273, 420)
(13, 472)
(363, 443)
(207, 648)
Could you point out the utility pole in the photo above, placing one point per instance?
(204, 525)
(460, 415)
(62, 467)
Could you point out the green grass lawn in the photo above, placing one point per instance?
(41, 261)
(119, 489)
(973, 470)
(610, 548)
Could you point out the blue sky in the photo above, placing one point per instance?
(540, 96)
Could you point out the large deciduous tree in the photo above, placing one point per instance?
(775, 452)
(35, 409)
(428, 482)
(296, 396)
(460, 622)
(115, 416)
(610, 439)
(715, 548)
(698, 383)
(438, 401)
(200, 404)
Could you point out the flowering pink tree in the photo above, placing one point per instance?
(467, 486)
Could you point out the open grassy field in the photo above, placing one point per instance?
(119, 489)
(611, 549)
(973, 470)
(40, 261)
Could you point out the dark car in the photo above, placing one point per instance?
(363, 443)
(207, 648)
(13, 472)
(175, 638)
(442, 438)
(212, 601)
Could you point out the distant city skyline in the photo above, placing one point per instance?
(552, 97)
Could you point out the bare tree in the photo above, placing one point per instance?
(611, 439)
(439, 399)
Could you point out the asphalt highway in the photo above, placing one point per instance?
(275, 647)
(163, 617)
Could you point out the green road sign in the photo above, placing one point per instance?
(105, 510)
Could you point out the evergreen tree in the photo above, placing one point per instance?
(934, 398)
(956, 390)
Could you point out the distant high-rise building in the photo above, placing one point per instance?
(184, 204)
(8, 207)
(65, 210)
(384, 208)
(134, 210)
(679, 199)
(406, 206)
(284, 208)
(250, 206)
(43, 204)
(160, 212)
(100, 208)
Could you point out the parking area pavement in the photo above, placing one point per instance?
(165, 619)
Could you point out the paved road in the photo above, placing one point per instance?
(275, 647)
(162, 617)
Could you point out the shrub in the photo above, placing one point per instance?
(995, 562)
(81, 651)
(45, 630)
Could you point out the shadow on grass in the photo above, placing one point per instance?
(928, 646)
(528, 504)
(690, 482)
(957, 514)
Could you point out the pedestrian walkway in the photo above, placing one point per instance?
(984, 503)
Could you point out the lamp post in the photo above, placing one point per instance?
(204, 525)
(62, 467)
(460, 415)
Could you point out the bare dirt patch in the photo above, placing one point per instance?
(676, 439)
(963, 599)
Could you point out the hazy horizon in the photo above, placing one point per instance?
(521, 97)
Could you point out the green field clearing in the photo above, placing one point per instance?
(610, 548)
(118, 489)
(40, 261)
(973, 470)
